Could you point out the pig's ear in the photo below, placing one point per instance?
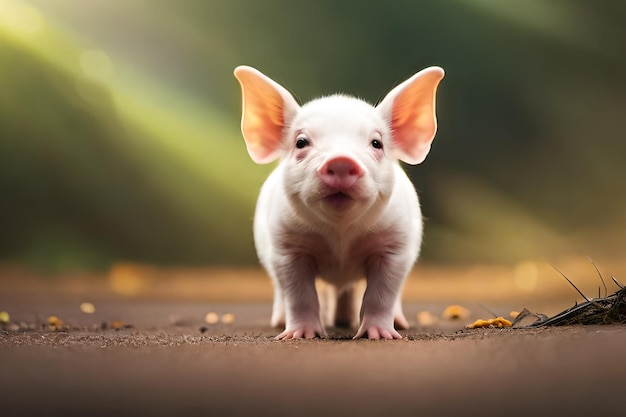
(409, 109)
(267, 109)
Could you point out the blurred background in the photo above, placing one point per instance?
(120, 141)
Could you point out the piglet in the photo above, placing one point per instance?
(338, 207)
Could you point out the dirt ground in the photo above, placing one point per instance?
(149, 350)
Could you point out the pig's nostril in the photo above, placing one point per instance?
(352, 171)
(341, 166)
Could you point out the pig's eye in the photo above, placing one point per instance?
(376, 144)
(302, 142)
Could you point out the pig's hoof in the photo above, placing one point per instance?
(299, 333)
(377, 332)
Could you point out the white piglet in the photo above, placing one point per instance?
(338, 207)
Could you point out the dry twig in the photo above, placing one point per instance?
(602, 310)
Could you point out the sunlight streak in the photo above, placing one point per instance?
(19, 18)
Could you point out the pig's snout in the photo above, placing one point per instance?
(340, 172)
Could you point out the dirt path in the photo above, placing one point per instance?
(165, 360)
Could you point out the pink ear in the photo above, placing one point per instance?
(267, 109)
(410, 111)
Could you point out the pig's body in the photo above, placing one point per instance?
(339, 206)
(339, 251)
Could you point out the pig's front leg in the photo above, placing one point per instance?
(384, 283)
(302, 311)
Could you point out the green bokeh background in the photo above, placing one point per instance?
(119, 122)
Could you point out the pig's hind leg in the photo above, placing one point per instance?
(278, 308)
(327, 295)
(399, 320)
(349, 304)
(344, 315)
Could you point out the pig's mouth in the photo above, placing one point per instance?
(338, 199)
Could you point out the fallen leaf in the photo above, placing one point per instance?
(54, 323)
(497, 322)
(117, 324)
(87, 308)
(426, 318)
(455, 312)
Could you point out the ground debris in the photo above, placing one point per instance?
(499, 322)
(119, 325)
(526, 318)
(605, 310)
(455, 312)
(610, 309)
(87, 308)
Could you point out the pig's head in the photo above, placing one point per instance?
(338, 153)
